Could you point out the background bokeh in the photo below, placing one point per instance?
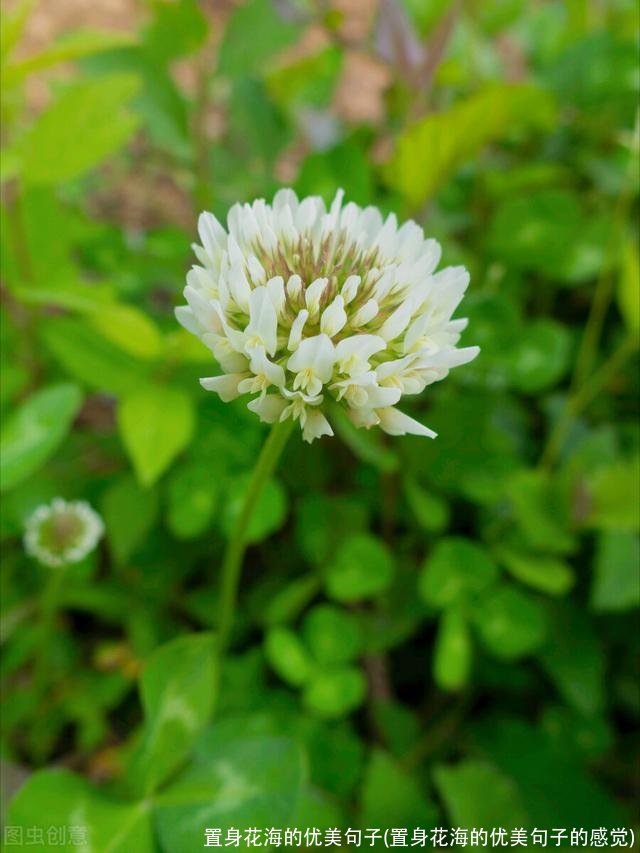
(431, 633)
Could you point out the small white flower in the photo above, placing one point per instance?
(301, 305)
(62, 532)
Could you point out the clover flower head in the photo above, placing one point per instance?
(62, 532)
(304, 307)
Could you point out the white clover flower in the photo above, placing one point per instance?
(301, 306)
(62, 532)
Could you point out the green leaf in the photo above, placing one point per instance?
(85, 126)
(457, 570)
(391, 797)
(335, 691)
(177, 29)
(616, 581)
(323, 522)
(129, 514)
(288, 656)
(245, 782)
(453, 650)
(541, 357)
(614, 496)
(541, 515)
(13, 26)
(68, 47)
(477, 794)
(90, 820)
(176, 689)
(269, 514)
(288, 602)
(431, 150)
(574, 659)
(362, 568)
(35, 430)
(430, 511)
(510, 623)
(89, 358)
(546, 574)
(253, 35)
(628, 289)
(192, 497)
(569, 797)
(129, 329)
(331, 634)
(156, 422)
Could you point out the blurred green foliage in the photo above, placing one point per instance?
(431, 633)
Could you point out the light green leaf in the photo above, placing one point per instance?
(335, 691)
(477, 794)
(156, 423)
(629, 288)
(291, 599)
(362, 568)
(34, 431)
(13, 24)
(430, 511)
(510, 623)
(331, 634)
(192, 496)
(91, 359)
(547, 574)
(82, 128)
(541, 356)
(129, 329)
(68, 47)
(91, 820)
(176, 688)
(288, 656)
(269, 514)
(616, 582)
(429, 152)
(245, 782)
(456, 570)
(254, 34)
(392, 797)
(453, 650)
(129, 513)
(614, 496)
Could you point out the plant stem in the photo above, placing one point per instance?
(236, 546)
(578, 401)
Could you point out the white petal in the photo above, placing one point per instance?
(295, 335)
(398, 321)
(317, 354)
(211, 233)
(334, 317)
(365, 314)
(226, 386)
(350, 288)
(263, 320)
(314, 294)
(260, 365)
(184, 316)
(275, 286)
(353, 353)
(315, 426)
(395, 422)
(294, 287)
(239, 287)
(268, 408)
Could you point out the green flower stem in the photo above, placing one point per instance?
(583, 397)
(236, 546)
